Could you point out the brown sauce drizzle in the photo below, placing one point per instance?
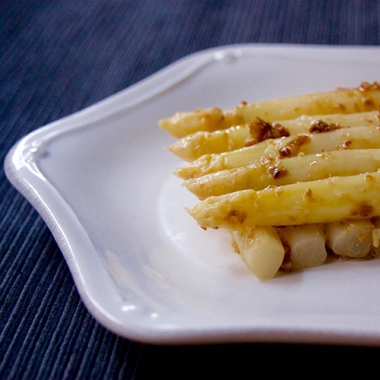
(368, 102)
(236, 216)
(363, 209)
(287, 264)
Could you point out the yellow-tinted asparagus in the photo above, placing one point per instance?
(364, 98)
(281, 191)
(278, 172)
(200, 143)
(323, 201)
(345, 138)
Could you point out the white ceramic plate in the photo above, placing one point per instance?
(102, 180)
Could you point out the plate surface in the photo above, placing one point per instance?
(102, 181)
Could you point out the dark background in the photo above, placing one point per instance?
(57, 57)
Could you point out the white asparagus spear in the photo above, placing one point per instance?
(376, 237)
(350, 239)
(306, 244)
(323, 201)
(278, 172)
(261, 249)
(200, 143)
(364, 98)
(345, 138)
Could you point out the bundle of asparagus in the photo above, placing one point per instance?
(293, 179)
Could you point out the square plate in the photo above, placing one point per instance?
(102, 181)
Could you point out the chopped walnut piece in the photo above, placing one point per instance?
(277, 172)
(320, 126)
(292, 148)
(261, 130)
(308, 193)
(345, 144)
(365, 86)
